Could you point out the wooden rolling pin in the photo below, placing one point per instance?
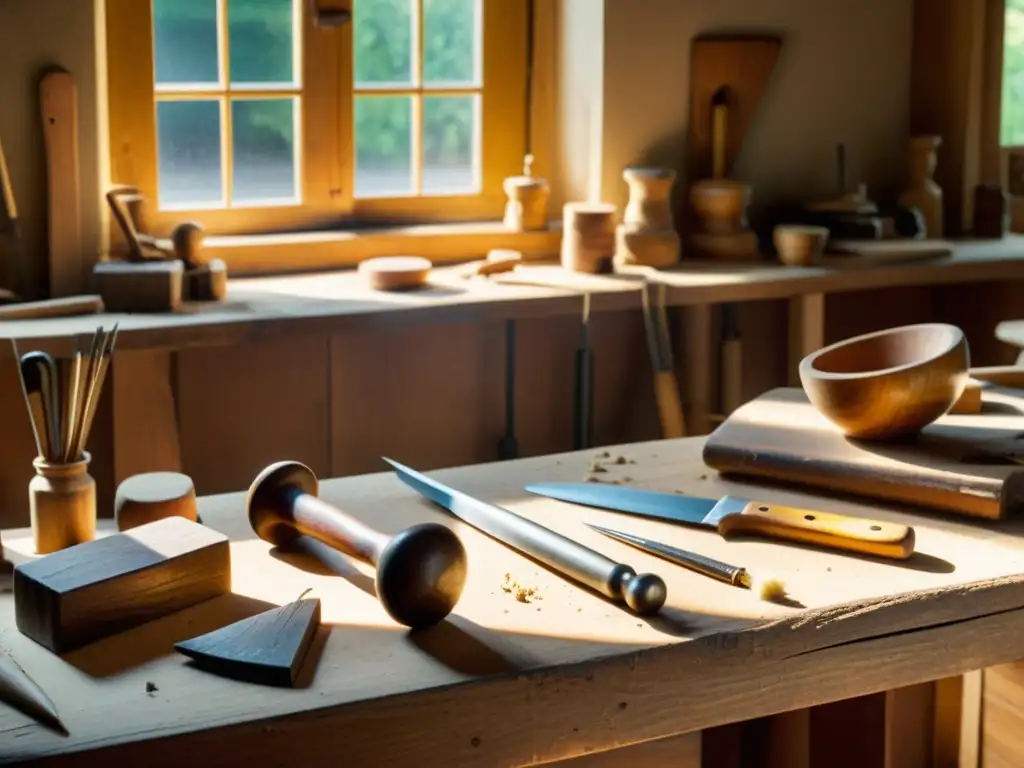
(66, 307)
(420, 571)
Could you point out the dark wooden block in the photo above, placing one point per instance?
(267, 648)
(91, 590)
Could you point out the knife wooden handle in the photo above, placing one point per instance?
(853, 534)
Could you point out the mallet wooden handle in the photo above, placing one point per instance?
(420, 571)
(319, 520)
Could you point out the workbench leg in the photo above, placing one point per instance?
(145, 419)
(957, 724)
(806, 330)
(698, 364)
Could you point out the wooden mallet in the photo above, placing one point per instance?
(420, 571)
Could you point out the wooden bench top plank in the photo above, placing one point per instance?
(504, 682)
(259, 308)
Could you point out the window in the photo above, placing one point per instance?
(249, 116)
(1012, 118)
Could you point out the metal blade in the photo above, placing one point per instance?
(636, 501)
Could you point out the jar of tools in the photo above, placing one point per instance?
(62, 504)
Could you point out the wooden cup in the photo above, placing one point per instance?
(798, 245)
(588, 237)
(62, 504)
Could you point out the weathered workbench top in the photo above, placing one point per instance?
(503, 682)
(261, 308)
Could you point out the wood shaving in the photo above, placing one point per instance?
(604, 455)
(624, 460)
(521, 593)
(597, 466)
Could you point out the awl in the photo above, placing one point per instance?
(733, 514)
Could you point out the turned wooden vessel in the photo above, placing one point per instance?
(891, 383)
(527, 207)
(798, 245)
(588, 237)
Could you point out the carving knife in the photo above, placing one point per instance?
(734, 514)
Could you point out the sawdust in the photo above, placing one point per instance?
(521, 593)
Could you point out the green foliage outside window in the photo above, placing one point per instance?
(260, 34)
(1012, 128)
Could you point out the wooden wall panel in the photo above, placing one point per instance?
(429, 396)
(17, 449)
(1002, 719)
(241, 408)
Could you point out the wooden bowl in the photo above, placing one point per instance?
(721, 204)
(888, 384)
(799, 245)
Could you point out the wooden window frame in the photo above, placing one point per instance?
(327, 152)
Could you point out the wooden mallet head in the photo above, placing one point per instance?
(420, 571)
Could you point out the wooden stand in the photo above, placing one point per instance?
(720, 221)
(922, 192)
(647, 235)
(527, 206)
(588, 237)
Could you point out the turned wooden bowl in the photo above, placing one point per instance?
(888, 384)
(721, 204)
(798, 245)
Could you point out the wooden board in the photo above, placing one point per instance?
(965, 464)
(503, 682)
(259, 309)
(93, 590)
(745, 65)
(858, 254)
(68, 265)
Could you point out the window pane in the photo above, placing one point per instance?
(260, 41)
(383, 41)
(188, 150)
(450, 145)
(1013, 76)
(451, 41)
(263, 144)
(185, 41)
(383, 138)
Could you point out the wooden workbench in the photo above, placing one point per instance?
(171, 374)
(506, 683)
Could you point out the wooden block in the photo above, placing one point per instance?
(395, 273)
(86, 592)
(153, 496)
(267, 648)
(150, 286)
(206, 282)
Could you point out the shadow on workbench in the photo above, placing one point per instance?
(119, 653)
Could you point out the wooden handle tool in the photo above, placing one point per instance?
(420, 571)
(823, 529)
(65, 307)
(39, 376)
(666, 386)
(644, 593)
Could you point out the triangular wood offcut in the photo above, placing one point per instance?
(743, 65)
(267, 648)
